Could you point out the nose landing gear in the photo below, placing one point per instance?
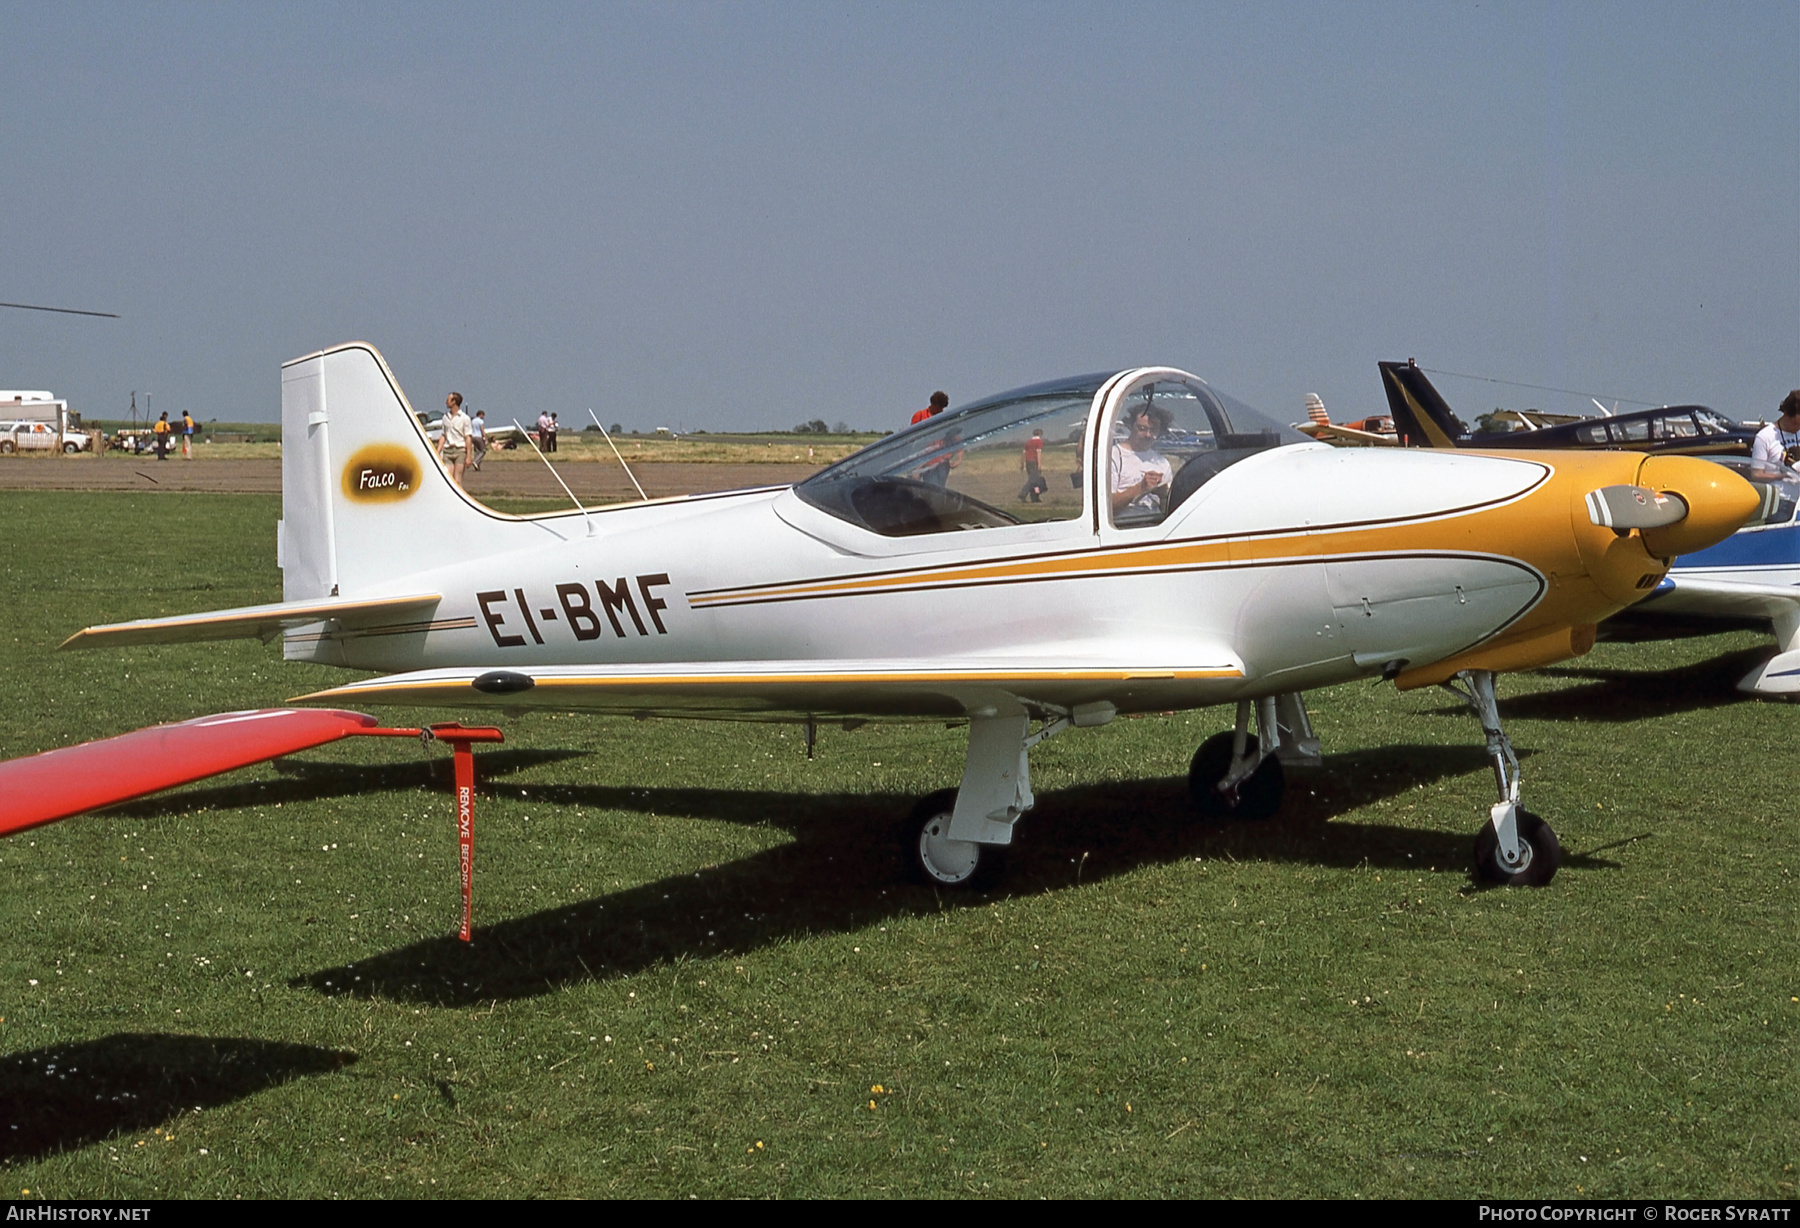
(1515, 848)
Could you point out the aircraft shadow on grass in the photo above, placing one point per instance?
(844, 871)
(1631, 695)
(74, 1095)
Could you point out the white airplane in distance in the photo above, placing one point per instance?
(1375, 432)
(1180, 551)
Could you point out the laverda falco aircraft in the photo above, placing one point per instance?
(1125, 542)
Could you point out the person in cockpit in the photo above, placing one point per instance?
(1140, 474)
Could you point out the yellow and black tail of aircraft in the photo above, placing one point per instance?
(1422, 418)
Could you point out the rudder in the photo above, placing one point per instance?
(362, 489)
(1422, 418)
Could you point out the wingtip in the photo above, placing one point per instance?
(336, 692)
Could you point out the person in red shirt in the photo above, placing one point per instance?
(1032, 462)
(939, 403)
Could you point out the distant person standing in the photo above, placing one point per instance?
(161, 433)
(453, 444)
(1777, 445)
(187, 435)
(554, 427)
(477, 439)
(544, 429)
(1032, 461)
(939, 403)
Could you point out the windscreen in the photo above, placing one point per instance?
(1010, 459)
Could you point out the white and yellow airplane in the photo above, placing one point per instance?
(990, 564)
(1374, 432)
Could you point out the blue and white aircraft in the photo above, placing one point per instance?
(1751, 577)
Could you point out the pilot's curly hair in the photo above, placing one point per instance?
(1790, 404)
(1161, 417)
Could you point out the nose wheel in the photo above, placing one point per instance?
(1532, 864)
(1515, 848)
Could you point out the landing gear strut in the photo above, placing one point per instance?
(958, 837)
(1515, 848)
(942, 861)
(1239, 774)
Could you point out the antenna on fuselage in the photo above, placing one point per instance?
(553, 473)
(620, 455)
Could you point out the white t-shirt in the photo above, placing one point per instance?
(1771, 446)
(456, 430)
(1129, 468)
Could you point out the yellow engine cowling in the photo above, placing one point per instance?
(1611, 569)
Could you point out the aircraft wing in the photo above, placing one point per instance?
(763, 690)
(1703, 595)
(262, 622)
(59, 783)
(1346, 436)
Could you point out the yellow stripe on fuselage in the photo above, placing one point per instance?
(1590, 572)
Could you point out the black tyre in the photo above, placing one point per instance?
(1257, 798)
(7, 447)
(71, 448)
(1542, 850)
(939, 861)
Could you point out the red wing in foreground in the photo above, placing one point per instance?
(58, 783)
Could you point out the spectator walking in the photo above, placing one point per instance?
(477, 439)
(1032, 463)
(453, 444)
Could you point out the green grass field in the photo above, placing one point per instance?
(697, 969)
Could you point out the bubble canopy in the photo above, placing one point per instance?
(1025, 456)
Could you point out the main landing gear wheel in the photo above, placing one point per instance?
(1257, 797)
(941, 861)
(1539, 854)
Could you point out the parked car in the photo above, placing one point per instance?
(41, 437)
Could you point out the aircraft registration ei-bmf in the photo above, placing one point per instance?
(1166, 548)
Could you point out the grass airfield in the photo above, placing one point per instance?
(698, 970)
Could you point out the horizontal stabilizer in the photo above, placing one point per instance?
(58, 783)
(763, 690)
(261, 622)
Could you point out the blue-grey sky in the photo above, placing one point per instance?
(736, 216)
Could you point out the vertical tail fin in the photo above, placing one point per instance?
(364, 500)
(1315, 409)
(1421, 417)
